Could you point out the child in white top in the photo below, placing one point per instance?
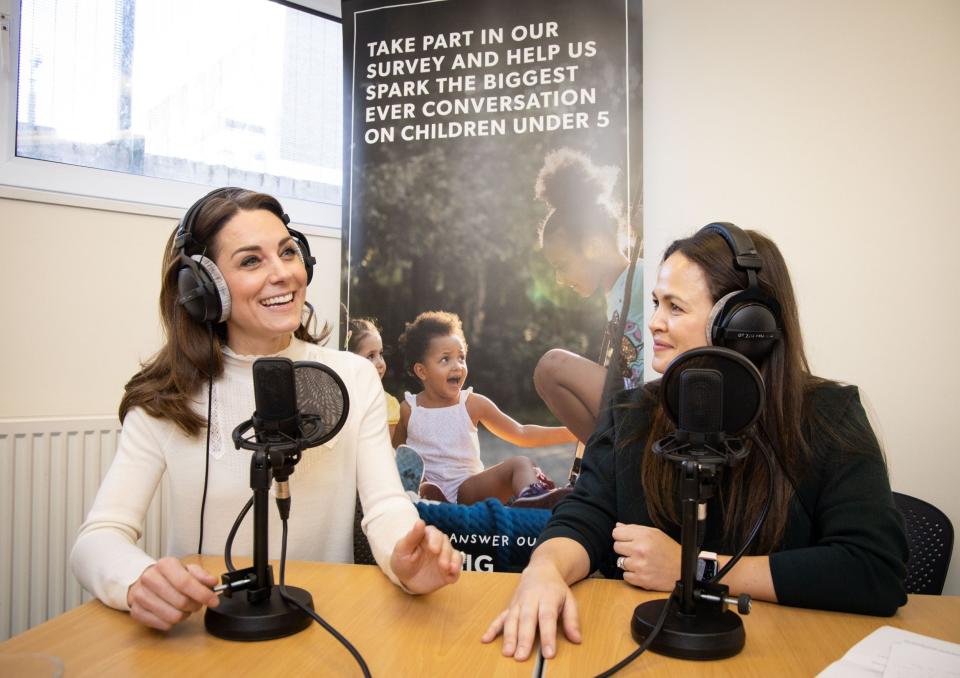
(441, 422)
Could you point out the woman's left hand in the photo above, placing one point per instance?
(424, 560)
(650, 559)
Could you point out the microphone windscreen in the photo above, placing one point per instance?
(737, 402)
(322, 401)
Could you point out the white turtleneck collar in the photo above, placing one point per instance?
(295, 350)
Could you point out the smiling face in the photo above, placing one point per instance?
(266, 278)
(371, 348)
(682, 305)
(443, 370)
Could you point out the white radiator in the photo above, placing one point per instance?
(50, 470)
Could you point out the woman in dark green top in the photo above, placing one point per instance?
(833, 538)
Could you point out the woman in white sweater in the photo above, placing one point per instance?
(234, 282)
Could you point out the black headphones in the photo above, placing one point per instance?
(202, 290)
(746, 321)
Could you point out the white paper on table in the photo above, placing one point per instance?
(894, 653)
(909, 660)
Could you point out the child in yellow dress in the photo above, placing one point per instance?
(363, 338)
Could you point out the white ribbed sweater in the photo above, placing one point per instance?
(105, 558)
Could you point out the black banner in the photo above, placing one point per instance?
(453, 109)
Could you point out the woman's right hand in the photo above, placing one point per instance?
(541, 597)
(167, 593)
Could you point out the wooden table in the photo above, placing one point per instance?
(781, 641)
(439, 634)
(397, 634)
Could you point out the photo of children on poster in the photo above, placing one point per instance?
(492, 163)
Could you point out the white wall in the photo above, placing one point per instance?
(834, 127)
(80, 289)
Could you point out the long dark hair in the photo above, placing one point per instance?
(787, 379)
(167, 382)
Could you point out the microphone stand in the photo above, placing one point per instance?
(260, 614)
(699, 625)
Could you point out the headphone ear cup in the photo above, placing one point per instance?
(746, 326)
(296, 243)
(303, 251)
(714, 335)
(219, 283)
(202, 290)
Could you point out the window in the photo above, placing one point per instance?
(153, 101)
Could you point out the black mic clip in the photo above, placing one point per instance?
(714, 599)
(282, 450)
(240, 580)
(710, 448)
(283, 446)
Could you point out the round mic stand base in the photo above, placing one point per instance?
(235, 618)
(688, 636)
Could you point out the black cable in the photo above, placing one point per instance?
(206, 461)
(228, 549)
(293, 601)
(654, 632)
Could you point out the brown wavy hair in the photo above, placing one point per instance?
(192, 353)
(787, 380)
(359, 329)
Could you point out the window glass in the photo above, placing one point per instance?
(217, 92)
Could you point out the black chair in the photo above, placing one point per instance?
(930, 536)
(362, 553)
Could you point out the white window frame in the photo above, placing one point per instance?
(62, 184)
